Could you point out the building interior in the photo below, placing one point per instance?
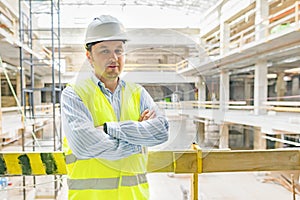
(225, 73)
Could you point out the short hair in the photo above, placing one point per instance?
(88, 46)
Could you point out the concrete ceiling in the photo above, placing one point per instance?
(155, 45)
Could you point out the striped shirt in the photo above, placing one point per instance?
(124, 138)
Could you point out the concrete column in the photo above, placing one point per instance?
(260, 86)
(224, 37)
(201, 85)
(224, 90)
(295, 85)
(247, 89)
(247, 138)
(280, 86)
(224, 136)
(261, 19)
(200, 128)
(186, 96)
(259, 141)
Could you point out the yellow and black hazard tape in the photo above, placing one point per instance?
(32, 163)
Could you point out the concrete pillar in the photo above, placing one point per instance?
(261, 19)
(280, 86)
(247, 89)
(259, 141)
(200, 128)
(224, 37)
(247, 138)
(201, 85)
(224, 136)
(260, 86)
(295, 85)
(224, 90)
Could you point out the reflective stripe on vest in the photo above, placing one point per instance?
(93, 184)
(134, 180)
(106, 183)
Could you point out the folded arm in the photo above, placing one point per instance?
(85, 140)
(150, 130)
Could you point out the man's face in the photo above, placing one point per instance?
(108, 59)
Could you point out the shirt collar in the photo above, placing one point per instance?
(98, 82)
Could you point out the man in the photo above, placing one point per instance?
(108, 122)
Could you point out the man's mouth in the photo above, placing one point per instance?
(112, 66)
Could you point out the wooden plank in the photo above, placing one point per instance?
(251, 160)
(160, 161)
(53, 163)
(227, 161)
(185, 162)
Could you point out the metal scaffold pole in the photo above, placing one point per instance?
(40, 57)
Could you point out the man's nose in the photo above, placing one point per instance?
(114, 56)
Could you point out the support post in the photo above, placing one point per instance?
(224, 90)
(224, 136)
(195, 180)
(260, 87)
(200, 132)
(261, 19)
(259, 141)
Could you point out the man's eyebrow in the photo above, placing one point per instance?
(102, 47)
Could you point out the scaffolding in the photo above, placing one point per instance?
(40, 55)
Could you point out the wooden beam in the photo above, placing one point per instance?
(190, 161)
(251, 160)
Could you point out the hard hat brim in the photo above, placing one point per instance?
(120, 37)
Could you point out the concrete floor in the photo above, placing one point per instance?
(216, 186)
(168, 186)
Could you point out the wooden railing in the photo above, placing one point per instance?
(283, 106)
(240, 105)
(284, 18)
(194, 161)
(278, 106)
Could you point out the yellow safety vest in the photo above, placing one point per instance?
(95, 178)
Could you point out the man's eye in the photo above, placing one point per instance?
(105, 51)
(119, 51)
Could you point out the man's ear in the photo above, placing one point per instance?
(88, 55)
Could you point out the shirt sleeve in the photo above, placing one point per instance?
(83, 138)
(146, 133)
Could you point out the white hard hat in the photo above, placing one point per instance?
(105, 28)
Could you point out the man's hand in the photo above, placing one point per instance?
(147, 114)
